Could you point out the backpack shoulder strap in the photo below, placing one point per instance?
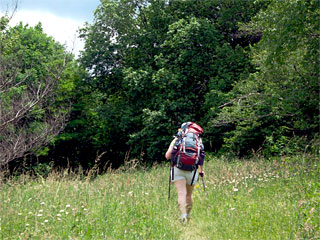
(194, 174)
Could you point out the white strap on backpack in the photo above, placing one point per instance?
(199, 140)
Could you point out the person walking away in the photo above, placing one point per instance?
(186, 153)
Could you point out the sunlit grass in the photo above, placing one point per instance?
(245, 200)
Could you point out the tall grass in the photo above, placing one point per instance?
(245, 200)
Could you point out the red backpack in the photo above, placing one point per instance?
(188, 147)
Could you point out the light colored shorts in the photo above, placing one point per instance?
(182, 174)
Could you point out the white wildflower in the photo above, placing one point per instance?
(68, 205)
(67, 213)
(232, 209)
(235, 189)
(39, 215)
(61, 210)
(42, 203)
(40, 210)
(27, 224)
(46, 221)
(58, 215)
(59, 219)
(19, 214)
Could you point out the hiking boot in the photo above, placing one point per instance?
(184, 221)
(184, 218)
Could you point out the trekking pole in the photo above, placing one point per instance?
(169, 184)
(204, 189)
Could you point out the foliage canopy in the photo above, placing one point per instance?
(246, 71)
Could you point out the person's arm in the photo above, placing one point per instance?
(168, 153)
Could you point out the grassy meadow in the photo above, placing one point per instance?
(252, 199)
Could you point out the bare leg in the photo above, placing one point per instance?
(182, 194)
(189, 200)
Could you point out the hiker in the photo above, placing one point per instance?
(185, 175)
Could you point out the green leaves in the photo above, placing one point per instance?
(284, 93)
(158, 64)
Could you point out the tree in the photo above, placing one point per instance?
(153, 64)
(281, 99)
(34, 82)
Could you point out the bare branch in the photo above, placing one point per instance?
(13, 11)
(18, 143)
(239, 99)
(17, 135)
(236, 120)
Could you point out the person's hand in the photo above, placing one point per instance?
(201, 174)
